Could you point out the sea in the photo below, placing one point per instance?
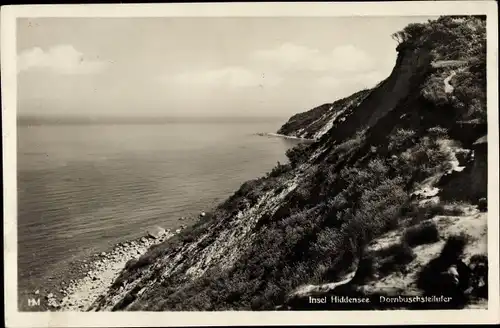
(82, 188)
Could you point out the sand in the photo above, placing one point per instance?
(103, 269)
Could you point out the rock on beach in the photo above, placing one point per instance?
(156, 232)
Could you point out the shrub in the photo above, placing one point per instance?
(366, 270)
(297, 154)
(470, 94)
(131, 264)
(482, 204)
(424, 159)
(479, 275)
(378, 208)
(351, 143)
(425, 233)
(149, 257)
(403, 254)
(248, 186)
(327, 241)
(454, 209)
(454, 246)
(399, 255)
(433, 90)
(400, 138)
(430, 210)
(279, 169)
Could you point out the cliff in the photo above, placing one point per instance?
(317, 121)
(359, 210)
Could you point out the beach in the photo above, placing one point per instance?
(99, 274)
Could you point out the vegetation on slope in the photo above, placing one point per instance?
(457, 42)
(354, 189)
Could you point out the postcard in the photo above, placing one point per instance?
(250, 163)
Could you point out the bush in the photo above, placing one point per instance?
(430, 210)
(301, 196)
(479, 275)
(297, 154)
(454, 246)
(131, 264)
(424, 159)
(399, 255)
(403, 254)
(378, 209)
(400, 138)
(433, 89)
(425, 233)
(470, 94)
(279, 169)
(351, 143)
(366, 270)
(482, 204)
(248, 186)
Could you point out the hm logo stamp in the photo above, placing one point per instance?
(33, 302)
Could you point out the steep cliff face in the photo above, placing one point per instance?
(374, 169)
(411, 66)
(316, 122)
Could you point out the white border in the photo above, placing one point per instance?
(126, 319)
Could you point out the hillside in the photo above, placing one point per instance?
(391, 194)
(317, 121)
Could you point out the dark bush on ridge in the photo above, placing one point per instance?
(403, 254)
(454, 246)
(425, 233)
(399, 256)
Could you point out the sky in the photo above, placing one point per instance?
(182, 66)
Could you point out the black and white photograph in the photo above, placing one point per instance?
(250, 161)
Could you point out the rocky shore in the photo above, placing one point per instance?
(101, 270)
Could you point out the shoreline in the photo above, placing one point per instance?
(99, 271)
(277, 135)
(91, 276)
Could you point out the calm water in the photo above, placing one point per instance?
(84, 188)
